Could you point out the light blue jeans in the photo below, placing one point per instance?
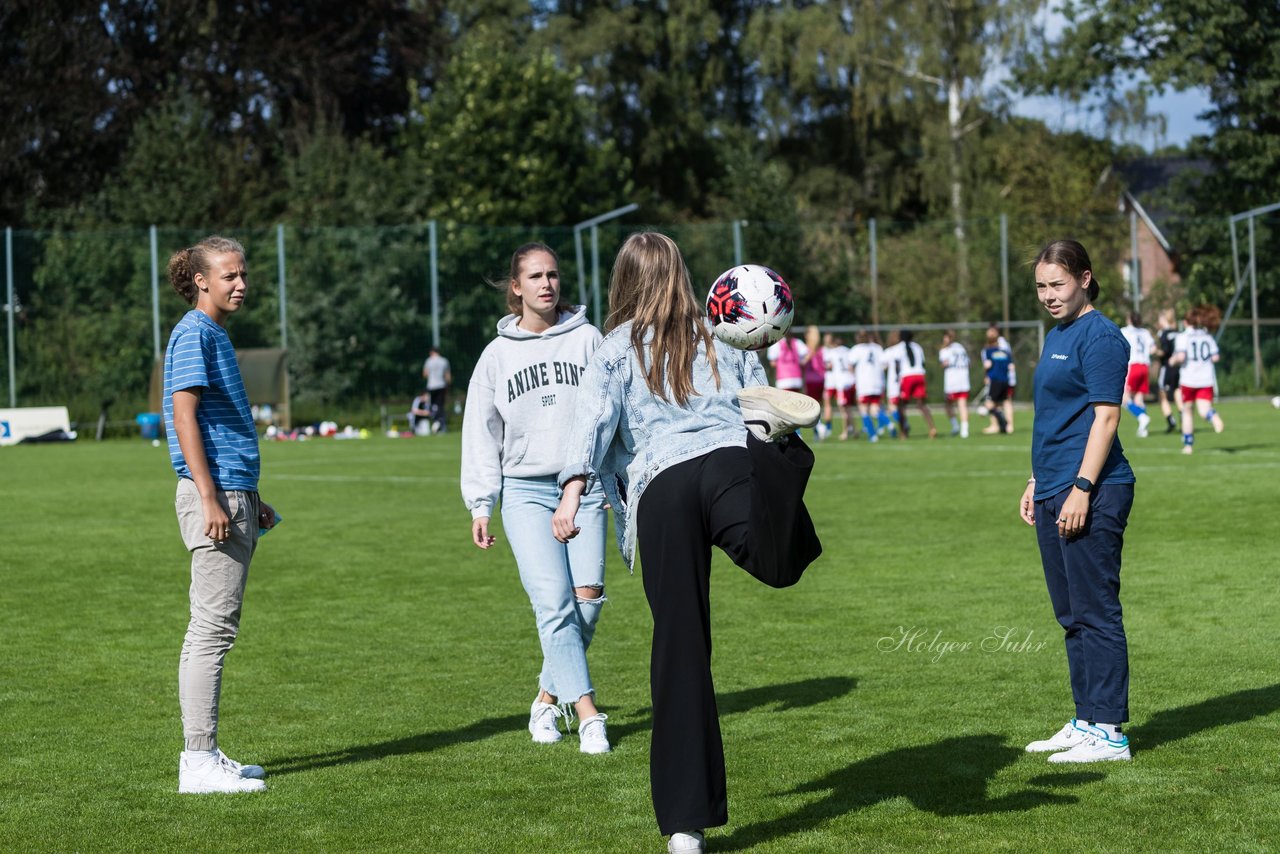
(550, 571)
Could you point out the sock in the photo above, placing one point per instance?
(1134, 409)
(1188, 439)
(200, 757)
(868, 426)
(1112, 731)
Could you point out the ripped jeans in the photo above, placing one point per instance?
(550, 571)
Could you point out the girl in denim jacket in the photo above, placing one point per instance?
(659, 423)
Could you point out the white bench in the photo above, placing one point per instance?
(18, 424)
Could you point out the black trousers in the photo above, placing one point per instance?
(749, 502)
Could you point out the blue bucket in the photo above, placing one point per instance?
(149, 423)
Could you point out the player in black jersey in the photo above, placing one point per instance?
(1170, 396)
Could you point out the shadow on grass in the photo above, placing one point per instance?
(1236, 449)
(792, 695)
(422, 743)
(1172, 724)
(947, 778)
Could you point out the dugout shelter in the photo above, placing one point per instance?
(266, 380)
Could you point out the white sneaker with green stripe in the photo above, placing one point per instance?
(1096, 746)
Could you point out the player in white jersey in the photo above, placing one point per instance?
(906, 359)
(868, 372)
(838, 385)
(955, 382)
(1137, 384)
(1195, 352)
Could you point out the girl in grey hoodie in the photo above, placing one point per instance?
(519, 403)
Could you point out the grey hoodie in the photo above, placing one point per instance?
(520, 403)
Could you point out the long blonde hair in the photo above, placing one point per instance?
(650, 286)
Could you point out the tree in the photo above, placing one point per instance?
(1228, 47)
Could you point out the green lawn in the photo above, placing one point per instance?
(385, 666)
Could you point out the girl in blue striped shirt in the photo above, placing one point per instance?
(213, 445)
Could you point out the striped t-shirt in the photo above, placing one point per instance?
(200, 355)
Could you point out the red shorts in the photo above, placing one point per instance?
(1138, 379)
(957, 395)
(913, 388)
(871, 398)
(1189, 393)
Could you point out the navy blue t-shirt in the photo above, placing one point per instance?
(1084, 362)
(999, 359)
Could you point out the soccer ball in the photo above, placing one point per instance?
(750, 307)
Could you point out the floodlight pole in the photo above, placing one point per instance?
(155, 296)
(8, 271)
(284, 330)
(593, 224)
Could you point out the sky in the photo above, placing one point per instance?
(1179, 108)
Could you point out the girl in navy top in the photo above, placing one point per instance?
(1078, 500)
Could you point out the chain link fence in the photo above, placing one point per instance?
(88, 312)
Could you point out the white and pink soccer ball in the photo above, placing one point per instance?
(750, 307)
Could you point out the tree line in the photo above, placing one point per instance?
(805, 119)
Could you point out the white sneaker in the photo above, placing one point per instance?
(202, 773)
(1064, 739)
(252, 772)
(543, 718)
(1096, 747)
(1144, 421)
(686, 843)
(591, 734)
(773, 413)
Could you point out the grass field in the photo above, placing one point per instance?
(385, 666)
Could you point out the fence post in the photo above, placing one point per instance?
(8, 272)
(1135, 269)
(284, 329)
(1004, 267)
(1253, 300)
(435, 285)
(875, 291)
(155, 296)
(595, 272)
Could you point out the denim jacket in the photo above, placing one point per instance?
(623, 435)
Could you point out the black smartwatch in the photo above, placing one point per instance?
(1084, 484)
